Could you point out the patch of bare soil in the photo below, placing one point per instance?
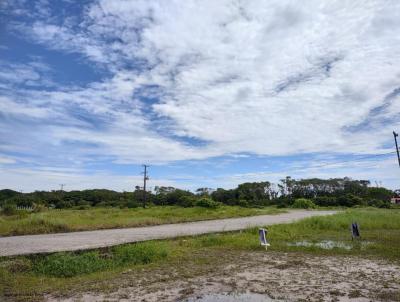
(289, 277)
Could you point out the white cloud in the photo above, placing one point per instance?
(6, 160)
(381, 171)
(50, 179)
(252, 77)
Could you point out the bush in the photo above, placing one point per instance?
(131, 204)
(9, 209)
(325, 201)
(382, 194)
(283, 202)
(379, 203)
(303, 203)
(186, 201)
(83, 207)
(243, 203)
(64, 204)
(350, 200)
(207, 203)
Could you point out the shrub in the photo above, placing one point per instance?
(207, 203)
(243, 203)
(325, 201)
(283, 202)
(186, 201)
(303, 203)
(83, 207)
(64, 204)
(379, 193)
(350, 200)
(379, 203)
(131, 204)
(9, 209)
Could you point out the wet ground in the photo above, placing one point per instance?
(330, 244)
(221, 276)
(233, 297)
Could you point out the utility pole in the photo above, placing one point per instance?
(397, 147)
(145, 178)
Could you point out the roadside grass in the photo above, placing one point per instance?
(29, 277)
(56, 221)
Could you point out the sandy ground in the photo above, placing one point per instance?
(287, 277)
(32, 244)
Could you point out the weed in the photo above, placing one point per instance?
(73, 264)
(56, 220)
(44, 273)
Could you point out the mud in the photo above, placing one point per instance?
(280, 276)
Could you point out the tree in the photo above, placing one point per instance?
(205, 192)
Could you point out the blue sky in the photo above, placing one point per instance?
(208, 93)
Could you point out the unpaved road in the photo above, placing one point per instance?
(281, 276)
(48, 243)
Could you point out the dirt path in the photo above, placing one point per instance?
(32, 244)
(281, 276)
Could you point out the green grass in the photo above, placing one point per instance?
(74, 264)
(73, 270)
(55, 221)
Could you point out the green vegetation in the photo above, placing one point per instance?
(380, 228)
(67, 220)
(323, 192)
(74, 264)
(303, 203)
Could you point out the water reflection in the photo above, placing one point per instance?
(236, 297)
(330, 244)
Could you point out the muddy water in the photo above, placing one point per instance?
(330, 244)
(244, 297)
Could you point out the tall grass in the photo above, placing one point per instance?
(72, 264)
(55, 221)
(44, 273)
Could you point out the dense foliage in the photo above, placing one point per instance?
(319, 192)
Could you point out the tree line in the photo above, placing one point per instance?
(320, 192)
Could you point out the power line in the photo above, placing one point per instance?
(354, 160)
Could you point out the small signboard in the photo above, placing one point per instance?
(355, 231)
(262, 233)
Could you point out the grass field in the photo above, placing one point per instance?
(64, 272)
(56, 221)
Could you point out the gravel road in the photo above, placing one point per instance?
(48, 243)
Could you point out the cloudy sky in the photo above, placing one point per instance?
(209, 93)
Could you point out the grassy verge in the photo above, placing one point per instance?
(55, 221)
(64, 272)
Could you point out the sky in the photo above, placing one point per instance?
(208, 93)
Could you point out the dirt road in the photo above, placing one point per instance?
(32, 244)
(250, 276)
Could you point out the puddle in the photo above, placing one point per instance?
(233, 297)
(330, 244)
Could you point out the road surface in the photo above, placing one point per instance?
(48, 243)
